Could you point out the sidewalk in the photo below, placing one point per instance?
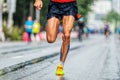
(8, 64)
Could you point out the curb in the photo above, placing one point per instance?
(33, 61)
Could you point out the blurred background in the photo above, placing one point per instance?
(96, 13)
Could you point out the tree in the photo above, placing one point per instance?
(2, 37)
(11, 4)
(0, 15)
(113, 17)
(84, 6)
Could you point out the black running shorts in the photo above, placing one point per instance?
(59, 10)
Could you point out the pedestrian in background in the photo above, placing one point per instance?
(86, 32)
(28, 27)
(36, 29)
(118, 31)
(81, 25)
(107, 30)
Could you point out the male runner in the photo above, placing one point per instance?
(65, 10)
(81, 26)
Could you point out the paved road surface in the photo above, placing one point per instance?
(96, 59)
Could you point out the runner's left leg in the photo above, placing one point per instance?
(68, 22)
(67, 28)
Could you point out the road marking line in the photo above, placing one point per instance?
(16, 57)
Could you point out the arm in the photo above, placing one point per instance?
(38, 4)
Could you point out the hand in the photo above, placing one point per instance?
(38, 4)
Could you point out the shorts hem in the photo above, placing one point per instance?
(62, 18)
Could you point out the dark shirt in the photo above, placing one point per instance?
(81, 25)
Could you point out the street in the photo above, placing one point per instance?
(95, 59)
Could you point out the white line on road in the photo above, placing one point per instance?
(16, 57)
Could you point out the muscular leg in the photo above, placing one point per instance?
(52, 29)
(68, 22)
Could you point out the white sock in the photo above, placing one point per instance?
(62, 63)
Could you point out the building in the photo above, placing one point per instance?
(116, 5)
(99, 10)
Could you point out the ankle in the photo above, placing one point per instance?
(62, 63)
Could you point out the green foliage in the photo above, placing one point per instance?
(113, 16)
(84, 6)
(14, 34)
(22, 11)
(5, 30)
(43, 12)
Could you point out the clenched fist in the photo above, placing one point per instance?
(38, 4)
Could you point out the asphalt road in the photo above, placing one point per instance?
(96, 59)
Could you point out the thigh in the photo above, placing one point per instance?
(68, 22)
(52, 27)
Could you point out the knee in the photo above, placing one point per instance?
(67, 36)
(50, 39)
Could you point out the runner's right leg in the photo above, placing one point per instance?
(52, 29)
